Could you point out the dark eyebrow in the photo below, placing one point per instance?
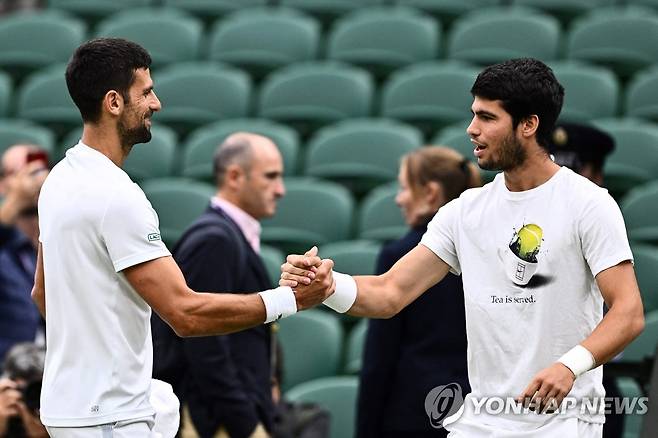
(148, 89)
(483, 113)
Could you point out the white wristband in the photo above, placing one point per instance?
(345, 295)
(579, 360)
(279, 303)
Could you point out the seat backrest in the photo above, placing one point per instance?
(312, 212)
(324, 91)
(448, 10)
(640, 210)
(362, 153)
(202, 143)
(5, 93)
(365, 38)
(178, 203)
(312, 343)
(379, 216)
(565, 10)
(645, 261)
(432, 93)
(155, 159)
(16, 131)
(95, 9)
(338, 395)
(263, 39)
(211, 9)
(355, 343)
(353, 257)
(169, 35)
(493, 35)
(623, 38)
(29, 41)
(590, 91)
(642, 95)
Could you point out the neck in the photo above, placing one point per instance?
(105, 139)
(535, 171)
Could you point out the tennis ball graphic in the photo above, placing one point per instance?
(527, 243)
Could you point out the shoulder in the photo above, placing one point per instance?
(583, 194)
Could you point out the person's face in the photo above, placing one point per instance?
(263, 184)
(135, 121)
(496, 144)
(415, 207)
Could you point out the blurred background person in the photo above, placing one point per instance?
(424, 345)
(23, 171)
(227, 381)
(20, 389)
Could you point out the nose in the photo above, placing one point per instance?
(472, 129)
(155, 103)
(280, 189)
(398, 199)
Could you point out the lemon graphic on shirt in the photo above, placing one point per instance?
(527, 242)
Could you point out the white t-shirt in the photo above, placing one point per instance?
(95, 222)
(528, 261)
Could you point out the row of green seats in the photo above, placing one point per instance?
(380, 39)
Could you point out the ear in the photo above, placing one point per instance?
(113, 102)
(529, 126)
(434, 194)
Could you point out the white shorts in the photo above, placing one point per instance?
(564, 428)
(135, 428)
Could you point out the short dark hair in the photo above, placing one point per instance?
(525, 86)
(101, 65)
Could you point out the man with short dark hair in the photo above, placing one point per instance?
(226, 381)
(102, 264)
(539, 249)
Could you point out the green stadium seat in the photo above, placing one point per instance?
(493, 35)
(640, 210)
(365, 38)
(447, 10)
(455, 137)
(312, 94)
(353, 257)
(635, 158)
(272, 258)
(30, 41)
(312, 342)
(644, 345)
(313, 212)
(169, 35)
(195, 94)
(263, 39)
(642, 95)
(336, 394)
(201, 144)
(379, 216)
(360, 154)
(44, 98)
(327, 10)
(624, 39)
(5, 93)
(15, 131)
(565, 10)
(209, 10)
(178, 203)
(628, 388)
(355, 344)
(590, 91)
(155, 159)
(429, 94)
(94, 10)
(645, 259)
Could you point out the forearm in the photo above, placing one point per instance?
(623, 323)
(375, 298)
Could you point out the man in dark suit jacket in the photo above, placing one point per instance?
(226, 381)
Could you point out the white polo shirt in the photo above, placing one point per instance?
(94, 223)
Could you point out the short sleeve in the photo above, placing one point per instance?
(603, 234)
(440, 235)
(130, 229)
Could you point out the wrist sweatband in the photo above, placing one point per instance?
(279, 303)
(579, 360)
(345, 295)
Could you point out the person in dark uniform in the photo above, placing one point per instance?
(584, 149)
(226, 381)
(424, 345)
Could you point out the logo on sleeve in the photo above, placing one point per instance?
(153, 237)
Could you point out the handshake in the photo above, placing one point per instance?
(311, 281)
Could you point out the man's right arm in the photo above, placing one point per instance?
(382, 296)
(162, 285)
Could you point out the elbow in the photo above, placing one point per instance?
(37, 295)
(392, 306)
(637, 325)
(180, 323)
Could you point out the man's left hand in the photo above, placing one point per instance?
(548, 388)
